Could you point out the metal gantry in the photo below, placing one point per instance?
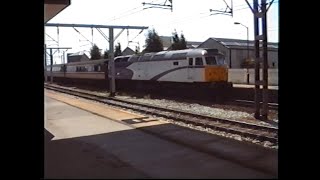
(227, 11)
(261, 14)
(51, 59)
(161, 6)
(111, 39)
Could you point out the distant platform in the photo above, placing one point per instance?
(252, 86)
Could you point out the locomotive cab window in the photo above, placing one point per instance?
(211, 60)
(199, 61)
(221, 60)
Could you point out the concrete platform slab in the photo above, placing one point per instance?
(93, 146)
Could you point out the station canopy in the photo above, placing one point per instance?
(54, 7)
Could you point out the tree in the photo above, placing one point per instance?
(183, 43)
(137, 50)
(106, 54)
(117, 51)
(178, 43)
(95, 52)
(153, 42)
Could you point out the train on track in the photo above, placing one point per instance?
(189, 72)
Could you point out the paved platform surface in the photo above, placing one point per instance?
(103, 142)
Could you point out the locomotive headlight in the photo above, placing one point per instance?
(204, 53)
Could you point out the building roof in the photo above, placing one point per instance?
(77, 56)
(128, 51)
(239, 43)
(193, 44)
(167, 43)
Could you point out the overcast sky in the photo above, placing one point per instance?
(190, 17)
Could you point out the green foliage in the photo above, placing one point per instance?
(95, 52)
(183, 43)
(153, 42)
(178, 43)
(106, 54)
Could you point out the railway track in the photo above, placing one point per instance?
(247, 103)
(235, 102)
(262, 133)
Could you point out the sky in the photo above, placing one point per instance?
(192, 18)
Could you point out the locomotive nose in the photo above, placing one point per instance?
(215, 74)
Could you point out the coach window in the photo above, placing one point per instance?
(190, 62)
(158, 57)
(178, 56)
(145, 58)
(199, 61)
(134, 58)
(117, 60)
(95, 68)
(125, 59)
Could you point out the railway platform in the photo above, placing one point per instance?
(85, 139)
(252, 86)
(247, 92)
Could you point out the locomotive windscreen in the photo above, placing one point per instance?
(212, 51)
(221, 59)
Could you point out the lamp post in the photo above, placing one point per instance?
(247, 38)
(247, 47)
